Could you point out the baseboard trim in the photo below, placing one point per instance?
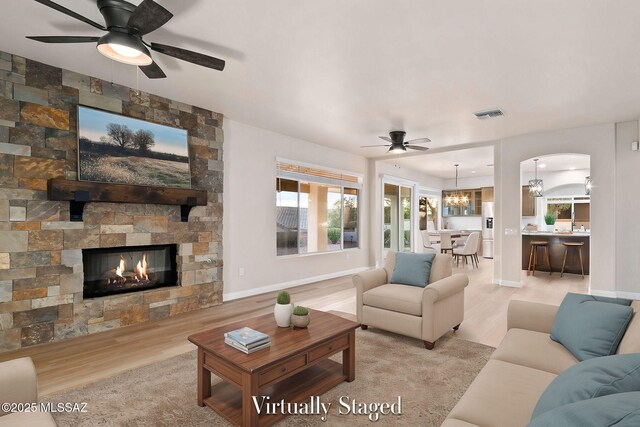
(629, 295)
(509, 283)
(293, 283)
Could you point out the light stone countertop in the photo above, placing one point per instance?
(550, 233)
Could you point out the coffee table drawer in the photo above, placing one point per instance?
(328, 348)
(283, 369)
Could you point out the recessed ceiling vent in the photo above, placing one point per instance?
(489, 114)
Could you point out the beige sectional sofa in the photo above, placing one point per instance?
(19, 385)
(507, 389)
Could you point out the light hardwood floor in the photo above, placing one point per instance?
(79, 361)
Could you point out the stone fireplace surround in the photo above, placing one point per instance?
(41, 278)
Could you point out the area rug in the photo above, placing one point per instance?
(387, 366)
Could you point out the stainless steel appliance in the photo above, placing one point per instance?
(487, 230)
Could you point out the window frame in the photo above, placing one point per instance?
(301, 178)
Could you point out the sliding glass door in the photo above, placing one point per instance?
(397, 223)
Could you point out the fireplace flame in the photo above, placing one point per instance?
(141, 268)
(121, 268)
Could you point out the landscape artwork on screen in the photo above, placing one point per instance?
(118, 149)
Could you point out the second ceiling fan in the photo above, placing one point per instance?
(398, 144)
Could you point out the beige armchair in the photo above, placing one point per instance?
(18, 384)
(423, 313)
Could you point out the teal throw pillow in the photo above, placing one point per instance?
(412, 269)
(619, 410)
(590, 326)
(596, 377)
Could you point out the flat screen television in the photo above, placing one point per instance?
(118, 149)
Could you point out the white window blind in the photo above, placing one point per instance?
(304, 172)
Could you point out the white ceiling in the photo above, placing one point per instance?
(340, 73)
(475, 162)
(559, 162)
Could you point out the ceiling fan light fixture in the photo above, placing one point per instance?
(124, 48)
(397, 149)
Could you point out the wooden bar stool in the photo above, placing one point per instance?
(567, 246)
(533, 256)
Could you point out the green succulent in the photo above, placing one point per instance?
(300, 310)
(283, 297)
(549, 218)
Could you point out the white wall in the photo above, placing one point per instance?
(250, 212)
(599, 142)
(627, 209)
(463, 222)
(469, 182)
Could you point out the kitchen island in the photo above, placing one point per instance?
(556, 250)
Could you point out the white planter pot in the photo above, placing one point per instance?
(551, 227)
(282, 313)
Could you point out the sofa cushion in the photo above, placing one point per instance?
(590, 326)
(452, 422)
(592, 378)
(534, 350)
(503, 394)
(631, 340)
(620, 410)
(40, 419)
(412, 269)
(400, 298)
(440, 268)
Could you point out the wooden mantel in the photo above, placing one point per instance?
(80, 192)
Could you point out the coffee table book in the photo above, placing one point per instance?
(296, 366)
(246, 349)
(246, 336)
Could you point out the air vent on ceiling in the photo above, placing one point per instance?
(489, 114)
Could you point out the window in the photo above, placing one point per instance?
(397, 221)
(317, 210)
(428, 209)
(570, 211)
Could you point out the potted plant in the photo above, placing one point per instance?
(550, 220)
(300, 317)
(283, 309)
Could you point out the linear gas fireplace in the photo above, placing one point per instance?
(109, 271)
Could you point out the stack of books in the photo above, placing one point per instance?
(247, 340)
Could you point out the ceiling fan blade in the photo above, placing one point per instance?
(379, 145)
(71, 13)
(148, 17)
(64, 39)
(386, 138)
(418, 141)
(189, 56)
(153, 71)
(416, 147)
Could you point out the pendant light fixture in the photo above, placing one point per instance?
(457, 198)
(587, 185)
(536, 187)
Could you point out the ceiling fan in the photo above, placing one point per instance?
(398, 144)
(125, 24)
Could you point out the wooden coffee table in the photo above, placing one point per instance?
(295, 366)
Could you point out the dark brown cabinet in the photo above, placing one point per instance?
(528, 202)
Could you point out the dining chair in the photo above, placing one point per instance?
(427, 245)
(446, 244)
(469, 250)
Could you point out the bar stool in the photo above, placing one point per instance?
(533, 256)
(567, 246)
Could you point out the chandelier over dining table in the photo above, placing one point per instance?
(457, 198)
